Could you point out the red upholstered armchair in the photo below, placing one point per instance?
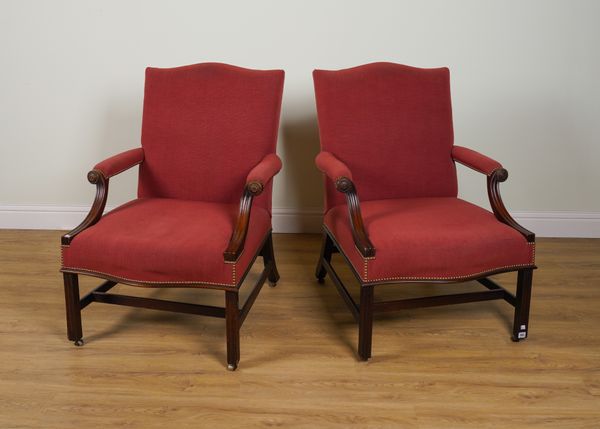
(386, 135)
(208, 137)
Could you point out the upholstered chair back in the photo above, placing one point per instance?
(204, 127)
(392, 126)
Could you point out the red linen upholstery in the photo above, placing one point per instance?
(392, 126)
(332, 166)
(430, 239)
(205, 127)
(475, 160)
(264, 171)
(206, 130)
(121, 162)
(398, 220)
(159, 240)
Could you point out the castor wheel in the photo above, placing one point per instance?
(79, 342)
(520, 335)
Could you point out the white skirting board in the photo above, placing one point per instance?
(293, 220)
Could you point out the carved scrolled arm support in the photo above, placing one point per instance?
(359, 233)
(344, 185)
(238, 237)
(258, 177)
(255, 187)
(340, 174)
(97, 178)
(493, 187)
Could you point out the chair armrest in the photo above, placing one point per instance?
(500, 211)
(95, 177)
(475, 160)
(117, 164)
(257, 179)
(99, 176)
(495, 175)
(341, 175)
(263, 172)
(334, 168)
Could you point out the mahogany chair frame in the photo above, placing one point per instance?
(367, 306)
(233, 314)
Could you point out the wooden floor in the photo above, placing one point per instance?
(444, 367)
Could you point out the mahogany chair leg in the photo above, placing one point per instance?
(232, 322)
(365, 322)
(269, 257)
(521, 321)
(326, 251)
(73, 308)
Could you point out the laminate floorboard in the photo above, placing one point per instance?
(442, 367)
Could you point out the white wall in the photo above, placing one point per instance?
(524, 81)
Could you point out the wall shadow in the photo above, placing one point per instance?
(303, 183)
(121, 131)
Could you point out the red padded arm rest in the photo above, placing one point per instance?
(475, 160)
(329, 164)
(264, 171)
(121, 162)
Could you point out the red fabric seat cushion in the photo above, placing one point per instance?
(430, 239)
(160, 240)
